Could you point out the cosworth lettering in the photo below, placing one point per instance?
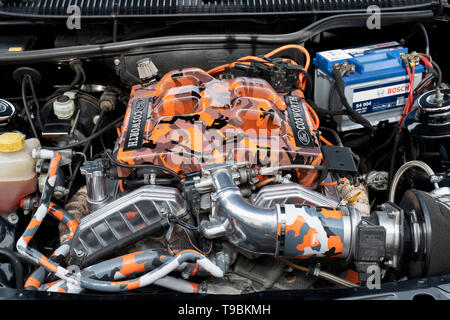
(298, 122)
(135, 129)
(297, 113)
(136, 125)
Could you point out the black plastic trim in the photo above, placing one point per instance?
(108, 49)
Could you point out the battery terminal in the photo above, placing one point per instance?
(413, 58)
(344, 68)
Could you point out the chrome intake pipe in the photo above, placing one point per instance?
(246, 226)
(288, 230)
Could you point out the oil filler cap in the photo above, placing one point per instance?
(11, 142)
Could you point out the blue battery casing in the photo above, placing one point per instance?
(378, 88)
(373, 62)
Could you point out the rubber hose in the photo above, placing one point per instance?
(397, 139)
(25, 106)
(16, 265)
(402, 170)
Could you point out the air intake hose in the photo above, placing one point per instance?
(413, 237)
(286, 230)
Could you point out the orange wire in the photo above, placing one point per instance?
(332, 184)
(233, 64)
(292, 46)
(122, 189)
(315, 117)
(252, 58)
(328, 184)
(289, 46)
(325, 141)
(314, 162)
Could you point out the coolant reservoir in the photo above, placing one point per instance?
(17, 172)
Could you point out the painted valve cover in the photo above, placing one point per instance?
(190, 119)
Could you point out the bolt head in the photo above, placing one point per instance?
(13, 218)
(79, 253)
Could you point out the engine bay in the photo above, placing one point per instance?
(299, 166)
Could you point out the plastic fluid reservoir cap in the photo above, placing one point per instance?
(64, 106)
(11, 142)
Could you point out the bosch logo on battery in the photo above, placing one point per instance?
(399, 89)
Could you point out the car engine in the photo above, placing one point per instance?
(295, 168)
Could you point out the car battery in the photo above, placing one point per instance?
(377, 89)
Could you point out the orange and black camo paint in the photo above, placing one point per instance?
(46, 206)
(190, 119)
(37, 277)
(312, 232)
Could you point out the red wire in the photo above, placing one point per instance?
(428, 83)
(407, 100)
(411, 89)
(426, 61)
(408, 105)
